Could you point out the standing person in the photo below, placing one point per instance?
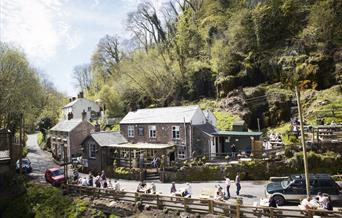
(173, 188)
(141, 160)
(90, 179)
(233, 147)
(272, 202)
(237, 182)
(188, 190)
(75, 175)
(97, 181)
(102, 178)
(228, 186)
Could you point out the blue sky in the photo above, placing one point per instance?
(56, 35)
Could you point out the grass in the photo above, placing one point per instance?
(317, 104)
(225, 120)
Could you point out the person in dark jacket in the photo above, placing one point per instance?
(272, 202)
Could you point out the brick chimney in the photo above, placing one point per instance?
(70, 115)
(73, 98)
(97, 127)
(84, 115)
(80, 95)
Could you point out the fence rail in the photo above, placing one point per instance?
(197, 205)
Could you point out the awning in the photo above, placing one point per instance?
(142, 146)
(236, 133)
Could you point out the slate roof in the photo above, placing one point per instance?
(206, 128)
(66, 125)
(108, 138)
(70, 104)
(161, 115)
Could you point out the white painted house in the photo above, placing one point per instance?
(74, 109)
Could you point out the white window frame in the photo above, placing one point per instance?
(130, 131)
(181, 154)
(152, 132)
(175, 132)
(92, 150)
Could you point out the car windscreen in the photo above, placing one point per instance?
(286, 183)
(56, 173)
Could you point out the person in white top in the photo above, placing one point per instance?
(228, 186)
(188, 190)
(116, 185)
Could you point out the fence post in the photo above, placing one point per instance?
(185, 202)
(210, 206)
(159, 203)
(271, 212)
(136, 197)
(237, 207)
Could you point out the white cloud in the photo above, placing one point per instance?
(37, 26)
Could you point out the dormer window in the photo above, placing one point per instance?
(130, 131)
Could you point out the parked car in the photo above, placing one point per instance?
(294, 188)
(54, 176)
(25, 166)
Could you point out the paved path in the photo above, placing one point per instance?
(251, 191)
(40, 160)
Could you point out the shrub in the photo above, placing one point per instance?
(40, 138)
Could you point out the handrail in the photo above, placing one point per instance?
(198, 205)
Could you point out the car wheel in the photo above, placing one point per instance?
(279, 199)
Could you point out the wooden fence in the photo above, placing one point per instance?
(197, 205)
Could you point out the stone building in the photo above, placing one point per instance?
(67, 136)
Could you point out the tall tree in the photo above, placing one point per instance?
(83, 77)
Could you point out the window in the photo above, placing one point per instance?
(175, 132)
(141, 131)
(131, 131)
(181, 154)
(152, 131)
(89, 108)
(92, 151)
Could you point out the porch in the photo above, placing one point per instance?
(246, 144)
(141, 155)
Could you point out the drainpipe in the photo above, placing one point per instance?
(190, 139)
(185, 140)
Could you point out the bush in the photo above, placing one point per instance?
(42, 201)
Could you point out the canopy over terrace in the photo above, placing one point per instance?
(128, 154)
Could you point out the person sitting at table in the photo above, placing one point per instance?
(116, 185)
(305, 204)
(187, 191)
(329, 204)
(314, 202)
(152, 189)
(272, 202)
(219, 194)
(140, 187)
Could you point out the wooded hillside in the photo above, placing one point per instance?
(195, 49)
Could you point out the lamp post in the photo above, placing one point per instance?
(306, 171)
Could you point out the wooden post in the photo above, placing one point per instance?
(130, 158)
(237, 208)
(271, 212)
(185, 203)
(211, 206)
(159, 203)
(306, 171)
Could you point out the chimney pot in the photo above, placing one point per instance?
(97, 127)
(84, 115)
(73, 98)
(81, 95)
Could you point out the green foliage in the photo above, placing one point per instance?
(42, 201)
(225, 120)
(40, 138)
(116, 127)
